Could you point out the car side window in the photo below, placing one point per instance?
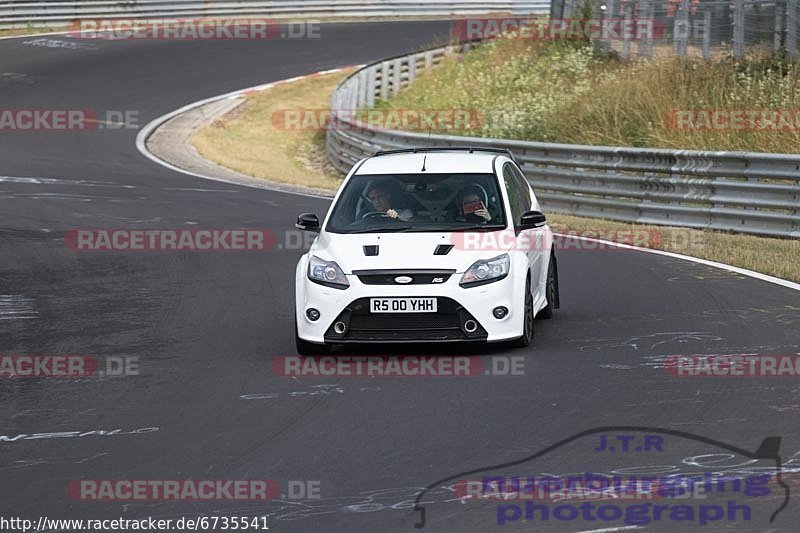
(514, 193)
(525, 191)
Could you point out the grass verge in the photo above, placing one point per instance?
(22, 32)
(566, 92)
(247, 141)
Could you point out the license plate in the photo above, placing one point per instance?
(402, 305)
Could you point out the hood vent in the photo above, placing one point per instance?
(370, 249)
(443, 249)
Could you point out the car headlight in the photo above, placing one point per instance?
(327, 273)
(486, 271)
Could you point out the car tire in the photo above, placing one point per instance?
(308, 348)
(527, 322)
(550, 290)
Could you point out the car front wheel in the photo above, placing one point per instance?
(527, 329)
(551, 289)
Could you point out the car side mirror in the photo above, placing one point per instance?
(307, 222)
(532, 219)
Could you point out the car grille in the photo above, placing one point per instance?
(447, 324)
(418, 277)
(389, 321)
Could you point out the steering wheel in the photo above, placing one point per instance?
(374, 214)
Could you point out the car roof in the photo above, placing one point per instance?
(435, 163)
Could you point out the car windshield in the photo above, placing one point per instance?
(418, 203)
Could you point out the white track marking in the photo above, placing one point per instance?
(147, 130)
(743, 271)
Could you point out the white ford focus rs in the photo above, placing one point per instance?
(427, 245)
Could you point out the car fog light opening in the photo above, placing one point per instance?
(340, 327)
(470, 326)
(312, 314)
(500, 312)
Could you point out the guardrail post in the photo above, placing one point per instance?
(557, 9)
(362, 89)
(384, 87)
(397, 68)
(605, 44)
(626, 43)
(681, 30)
(777, 36)
(644, 42)
(738, 28)
(352, 95)
(791, 29)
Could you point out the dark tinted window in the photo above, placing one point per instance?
(515, 195)
(525, 192)
(417, 202)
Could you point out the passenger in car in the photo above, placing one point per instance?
(471, 206)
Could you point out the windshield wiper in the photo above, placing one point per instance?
(477, 227)
(389, 229)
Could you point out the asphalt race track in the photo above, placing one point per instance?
(206, 326)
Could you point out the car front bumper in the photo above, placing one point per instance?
(456, 306)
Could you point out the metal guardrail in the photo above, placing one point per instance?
(21, 14)
(745, 192)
